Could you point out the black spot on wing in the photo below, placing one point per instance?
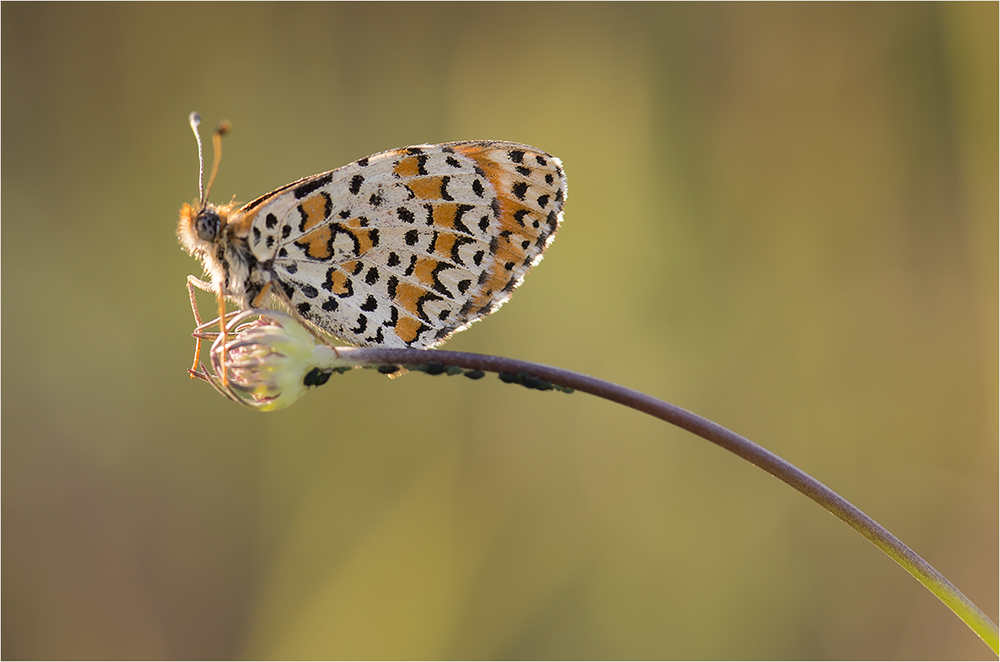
(444, 189)
(305, 189)
(437, 284)
(457, 223)
(356, 183)
(459, 242)
(362, 325)
(425, 298)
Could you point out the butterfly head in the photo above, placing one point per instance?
(202, 227)
(207, 224)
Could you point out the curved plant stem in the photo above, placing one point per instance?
(788, 473)
(270, 364)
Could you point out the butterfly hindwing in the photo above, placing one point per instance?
(406, 247)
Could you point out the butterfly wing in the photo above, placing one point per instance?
(406, 247)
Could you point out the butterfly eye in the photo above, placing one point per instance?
(207, 225)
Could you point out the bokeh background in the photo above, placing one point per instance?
(783, 217)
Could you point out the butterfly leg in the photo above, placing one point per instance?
(192, 284)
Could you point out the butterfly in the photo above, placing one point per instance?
(403, 248)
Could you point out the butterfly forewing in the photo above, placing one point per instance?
(406, 247)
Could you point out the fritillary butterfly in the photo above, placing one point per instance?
(403, 248)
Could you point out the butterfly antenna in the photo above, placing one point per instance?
(194, 119)
(222, 129)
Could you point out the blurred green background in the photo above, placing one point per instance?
(783, 217)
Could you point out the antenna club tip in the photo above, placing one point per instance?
(224, 127)
(194, 119)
